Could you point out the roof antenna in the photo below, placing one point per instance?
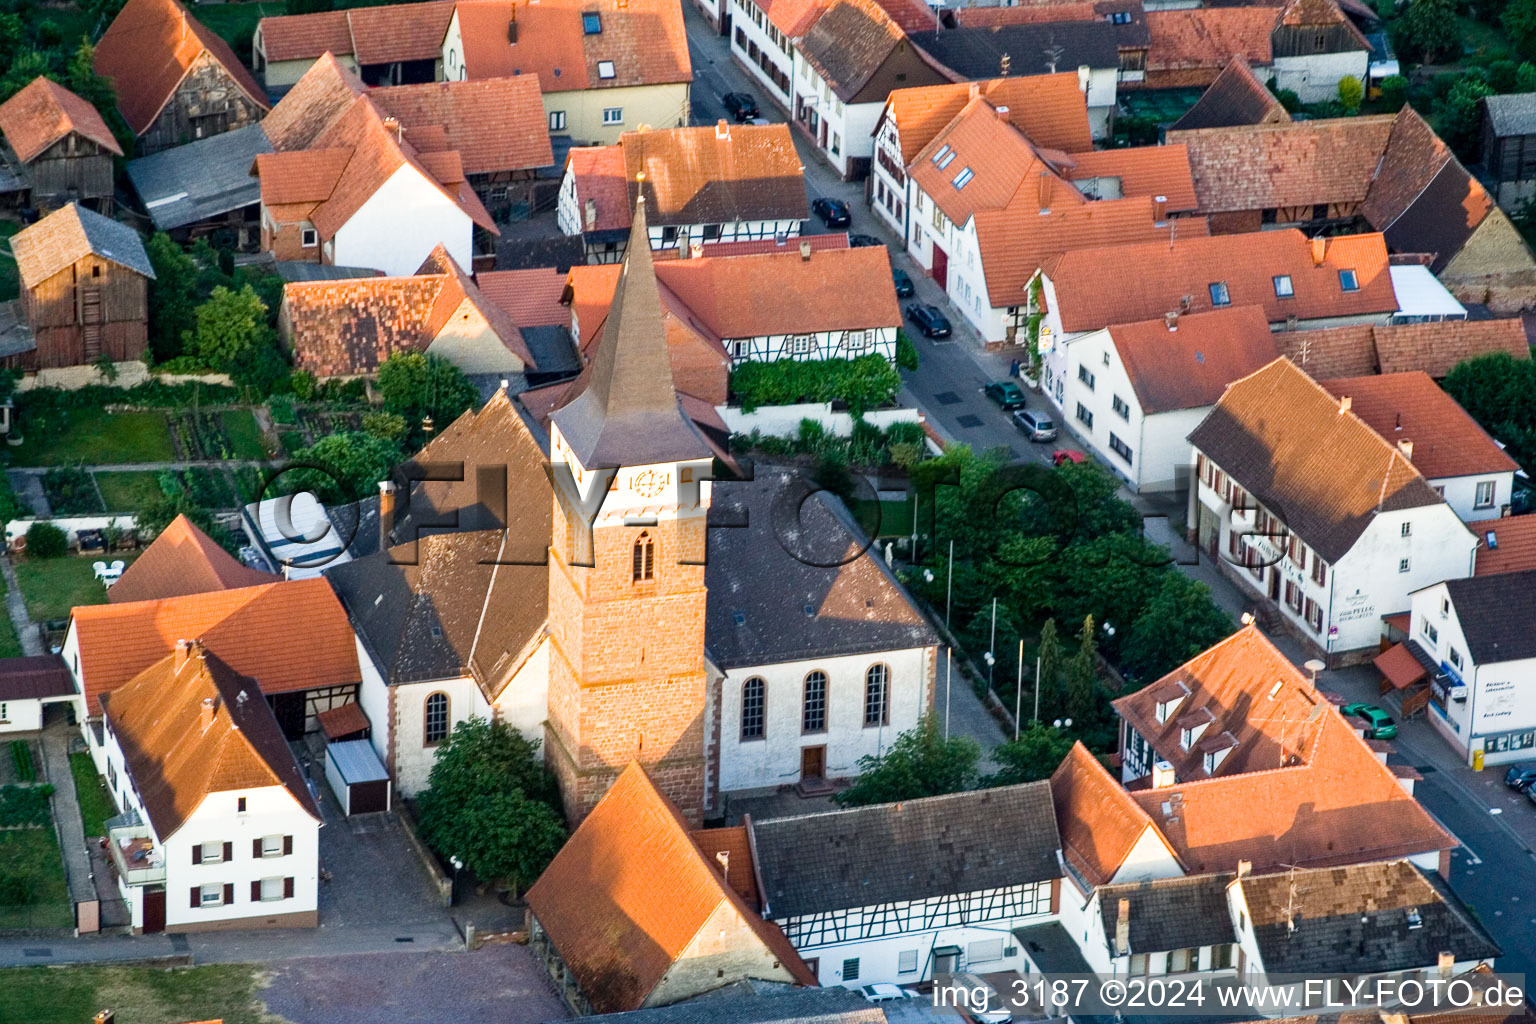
(1291, 907)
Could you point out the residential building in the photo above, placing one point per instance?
(394, 44)
(205, 187)
(58, 147)
(1506, 546)
(757, 1002)
(899, 893)
(725, 183)
(1509, 147)
(27, 686)
(763, 37)
(1235, 97)
(1168, 926)
(1134, 391)
(1401, 348)
(846, 65)
(219, 829)
(84, 289)
(1472, 641)
(617, 941)
(1106, 838)
(1049, 110)
(631, 70)
(1316, 514)
(1090, 47)
(1127, 16)
(349, 328)
(175, 80)
(1461, 462)
(183, 560)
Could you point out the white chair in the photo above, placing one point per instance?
(100, 568)
(118, 567)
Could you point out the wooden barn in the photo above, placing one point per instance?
(84, 289)
(58, 147)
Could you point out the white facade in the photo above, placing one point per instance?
(1478, 497)
(1489, 707)
(21, 715)
(765, 52)
(1103, 84)
(842, 132)
(1339, 607)
(951, 254)
(814, 346)
(399, 225)
(1315, 77)
(753, 759)
(889, 189)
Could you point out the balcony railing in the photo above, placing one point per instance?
(132, 847)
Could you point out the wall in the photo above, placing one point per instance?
(1315, 77)
(888, 147)
(838, 344)
(774, 760)
(374, 698)
(524, 702)
(73, 162)
(413, 758)
(1493, 267)
(397, 228)
(784, 420)
(1461, 495)
(656, 106)
(745, 29)
(468, 342)
(1149, 858)
(206, 102)
(724, 947)
(21, 715)
(1102, 86)
(71, 525)
(129, 373)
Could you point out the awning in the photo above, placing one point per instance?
(1400, 668)
(343, 721)
(1398, 622)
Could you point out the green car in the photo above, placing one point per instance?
(1006, 394)
(1378, 724)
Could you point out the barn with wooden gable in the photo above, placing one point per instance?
(58, 147)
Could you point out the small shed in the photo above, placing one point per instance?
(26, 684)
(357, 777)
(1509, 146)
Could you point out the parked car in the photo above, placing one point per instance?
(833, 212)
(1061, 455)
(1520, 777)
(1530, 794)
(905, 289)
(884, 992)
(1378, 724)
(740, 105)
(1006, 394)
(863, 241)
(929, 320)
(1036, 426)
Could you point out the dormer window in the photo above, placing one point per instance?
(1349, 281)
(1186, 738)
(1167, 708)
(1213, 760)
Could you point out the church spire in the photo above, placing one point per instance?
(628, 414)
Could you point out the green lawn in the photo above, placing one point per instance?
(245, 441)
(236, 23)
(141, 995)
(95, 436)
(129, 492)
(10, 280)
(33, 856)
(52, 586)
(95, 802)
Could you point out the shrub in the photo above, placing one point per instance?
(906, 352)
(44, 540)
(303, 383)
(387, 425)
(1394, 92)
(867, 445)
(863, 383)
(281, 407)
(1351, 94)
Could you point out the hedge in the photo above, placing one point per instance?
(863, 383)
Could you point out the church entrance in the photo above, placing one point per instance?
(813, 763)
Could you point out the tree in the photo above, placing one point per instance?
(1033, 756)
(1429, 31)
(491, 803)
(416, 385)
(231, 327)
(1499, 392)
(172, 296)
(1048, 664)
(152, 519)
(27, 66)
(921, 762)
(1519, 21)
(1459, 115)
(1083, 677)
(11, 34)
(1351, 94)
(44, 540)
(1394, 92)
(350, 466)
(1178, 623)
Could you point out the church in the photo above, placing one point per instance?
(568, 562)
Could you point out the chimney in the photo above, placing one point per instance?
(1082, 78)
(386, 513)
(512, 27)
(1319, 250)
(722, 129)
(724, 858)
(1171, 318)
(1003, 65)
(974, 89)
(1446, 963)
(1345, 404)
(805, 250)
(1162, 775)
(1244, 868)
(183, 652)
(210, 705)
(1405, 445)
(392, 125)
(695, 250)
(1123, 928)
(589, 213)
(1002, 114)
(1159, 209)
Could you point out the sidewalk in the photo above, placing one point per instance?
(66, 810)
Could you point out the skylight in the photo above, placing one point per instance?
(948, 158)
(605, 69)
(964, 177)
(1284, 289)
(944, 151)
(1349, 281)
(591, 23)
(1219, 294)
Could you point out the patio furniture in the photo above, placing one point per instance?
(100, 569)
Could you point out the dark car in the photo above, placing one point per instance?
(833, 212)
(1520, 776)
(929, 320)
(863, 241)
(1006, 394)
(739, 105)
(904, 287)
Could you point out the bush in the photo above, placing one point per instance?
(71, 491)
(864, 383)
(1351, 94)
(906, 352)
(1394, 92)
(44, 540)
(303, 384)
(281, 408)
(386, 425)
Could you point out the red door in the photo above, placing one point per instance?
(941, 268)
(154, 911)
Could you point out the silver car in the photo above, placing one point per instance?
(1035, 426)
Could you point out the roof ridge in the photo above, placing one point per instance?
(767, 822)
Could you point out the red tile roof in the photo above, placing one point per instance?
(1050, 110)
(1098, 821)
(644, 39)
(288, 636)
(1190, 366)
(530, 297)
(1143, 171)
(1410, 407)
(1514, 547)
(306, 36)
(1026, 14)
(714, 174)
(494, 125)
(1002, 161)
(343, 721)
(147, 51)
(44, 112)
(599, 175)
(183, 560)
(1153, 279)
(1209, 37)
(374, 35)
(631, 891)
(792, 17)
(323, 92)
(1398, 348)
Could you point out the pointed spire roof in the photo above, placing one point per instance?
(628, 414)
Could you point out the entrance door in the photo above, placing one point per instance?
(941, 268)
(1274, 583)
(154, 910)
(813, 763)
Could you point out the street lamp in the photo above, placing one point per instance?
(457, 865)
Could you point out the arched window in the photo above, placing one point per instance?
(643, 566)
(435, 729)
(877, 695)
(813, 710)
(753, 722)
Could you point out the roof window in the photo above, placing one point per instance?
(943, 152)
(1219, 294)
(964, 177)
(948, 159)
(1349, 281)
(591, 23)
(605, 69)
(1284, 289)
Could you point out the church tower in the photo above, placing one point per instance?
(626, 574)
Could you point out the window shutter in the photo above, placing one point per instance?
(256, 892)
(287, 845)
(197, 896)
(229, 852)
(288, 888)
(229, 892)
(256, 848)
(197, 856)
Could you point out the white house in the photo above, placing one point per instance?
(1312, 511)
(1133, 392)
(27, 686)
(219, 828)
(1477, 632)
(763, 39)
(1458, 458)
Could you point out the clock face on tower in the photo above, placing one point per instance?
(648, 483)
